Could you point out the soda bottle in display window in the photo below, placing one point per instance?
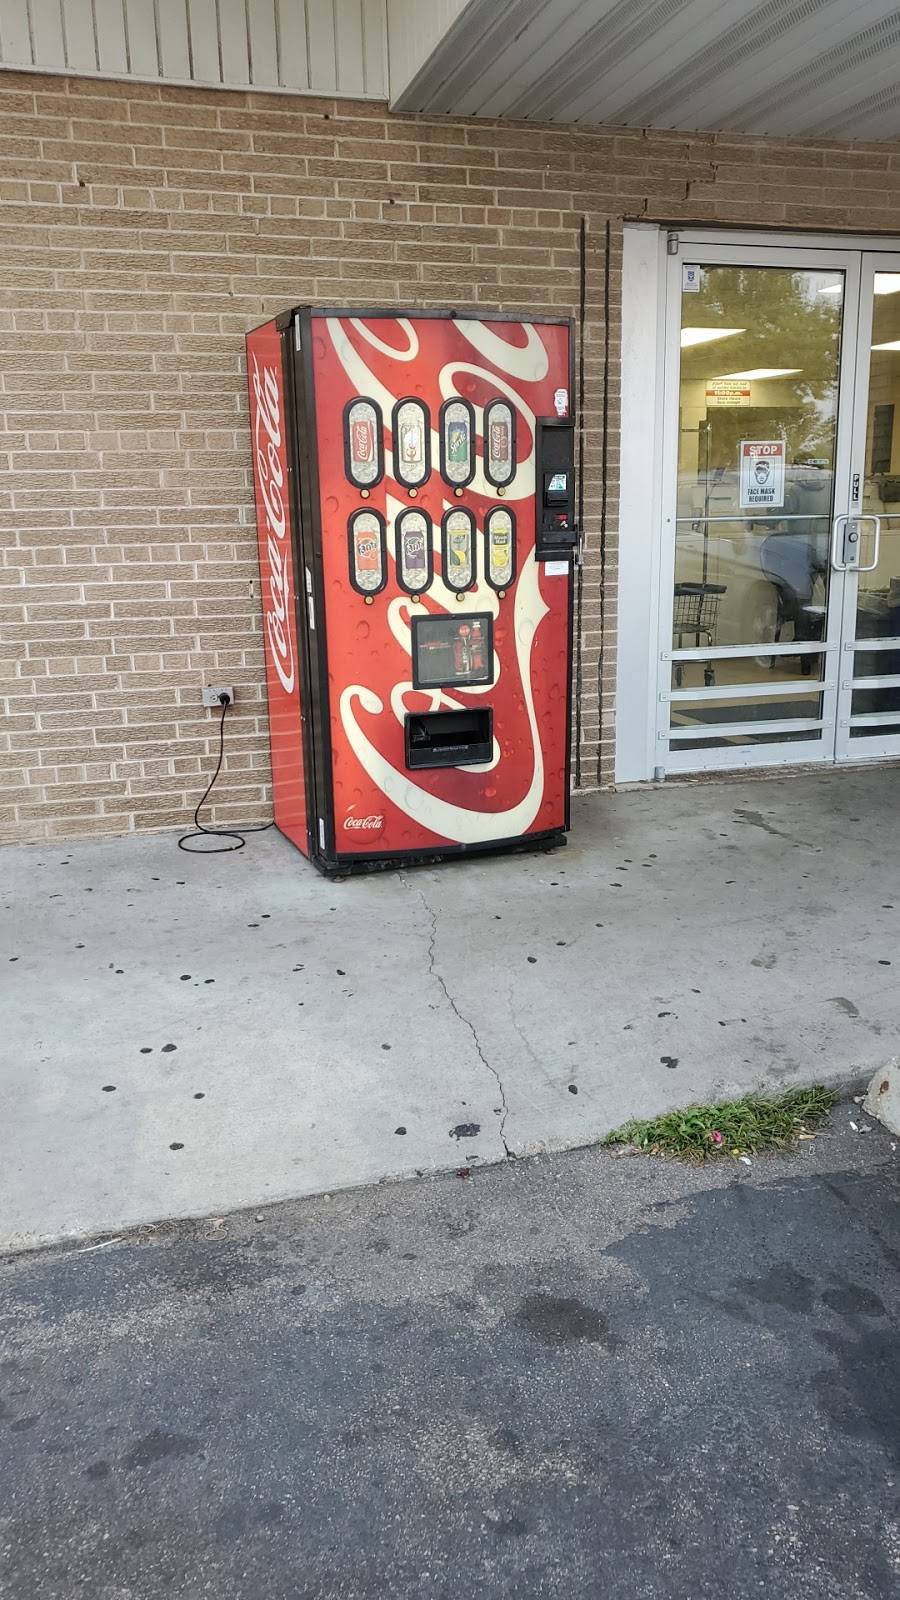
(477, 657)
(461, 650)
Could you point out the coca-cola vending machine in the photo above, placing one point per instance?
(416, 517)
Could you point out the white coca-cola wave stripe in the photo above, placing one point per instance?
(448, 821)
(412, 338)
(528, 361)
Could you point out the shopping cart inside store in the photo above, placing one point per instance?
(695, 620)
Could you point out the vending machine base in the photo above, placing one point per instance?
(414, 481)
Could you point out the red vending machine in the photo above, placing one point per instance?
(416, 516)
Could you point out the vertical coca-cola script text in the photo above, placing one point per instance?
(271, 459)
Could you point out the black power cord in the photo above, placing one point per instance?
(199, 831)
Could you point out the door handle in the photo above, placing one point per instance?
(845, 537)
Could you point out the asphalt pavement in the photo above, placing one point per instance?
(582, 1375)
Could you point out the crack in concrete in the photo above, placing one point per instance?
(466, 1021)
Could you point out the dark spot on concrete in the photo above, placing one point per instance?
(79, 947)
(465, 1130)
(176, 1146)
(379, 1247)
(146, 1049)
(266, 915)
(555, 1320)
(168, 1048)
(119, 971)
(298, 1288)
(97, 1470)
(385, 1047)
(158, 1445)
(843, 1004)
(209, 980)
(109, 1088)
(532, 960)
(851, 1299)
(665, 1013)
(200, 1095)
(510, 1528)
(669, 1061)
(615, 886)
(780, 1286)
(573, 1088)
(882, 962)
(401, 1129)
(340, 972)
(23, 1424)
(252, 924)
(185, 977)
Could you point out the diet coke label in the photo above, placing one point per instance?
(270, 465)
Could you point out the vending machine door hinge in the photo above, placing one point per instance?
(672, 244)
(298, 342)
(311, 612)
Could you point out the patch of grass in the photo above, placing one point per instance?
(734, 1128)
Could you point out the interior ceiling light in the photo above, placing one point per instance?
(691, 336)
(763, 372)
(892, 344)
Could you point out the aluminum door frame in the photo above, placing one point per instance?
(688, 249)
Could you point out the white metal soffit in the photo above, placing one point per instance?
(782, 67)
(299, 46)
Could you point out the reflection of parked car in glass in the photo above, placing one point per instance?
(774, 567)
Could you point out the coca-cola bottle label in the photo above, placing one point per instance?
(363, 443)
(457, 434)
(500, 529)
(458, 538)
(499, 443)
(366, 538)
(412, 443)
(413, 552)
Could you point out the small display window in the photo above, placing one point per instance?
(457, 436)
(499, 443)
(412, 442)
(367, 545)
(458, 549)
(412, 532)
(449, 651)
(500, 537)
(363, 442)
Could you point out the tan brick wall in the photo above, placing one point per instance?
(143, 229)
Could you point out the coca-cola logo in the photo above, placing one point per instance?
(270, 475)
(371, 824)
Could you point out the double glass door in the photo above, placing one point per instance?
(780, 577)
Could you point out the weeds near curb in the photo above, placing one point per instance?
(734, 1128)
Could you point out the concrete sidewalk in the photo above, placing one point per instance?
(187, 1035)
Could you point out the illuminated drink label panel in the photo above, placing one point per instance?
(499, 443)
(413, 551)
(448, 651)
(457, 434)
(458, 549)
(363, 443)
(500, 531)
(366, 540)
(412, 443)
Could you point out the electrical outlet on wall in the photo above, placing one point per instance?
(212, 692)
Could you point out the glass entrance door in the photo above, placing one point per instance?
(866, 545)
(758, 442)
